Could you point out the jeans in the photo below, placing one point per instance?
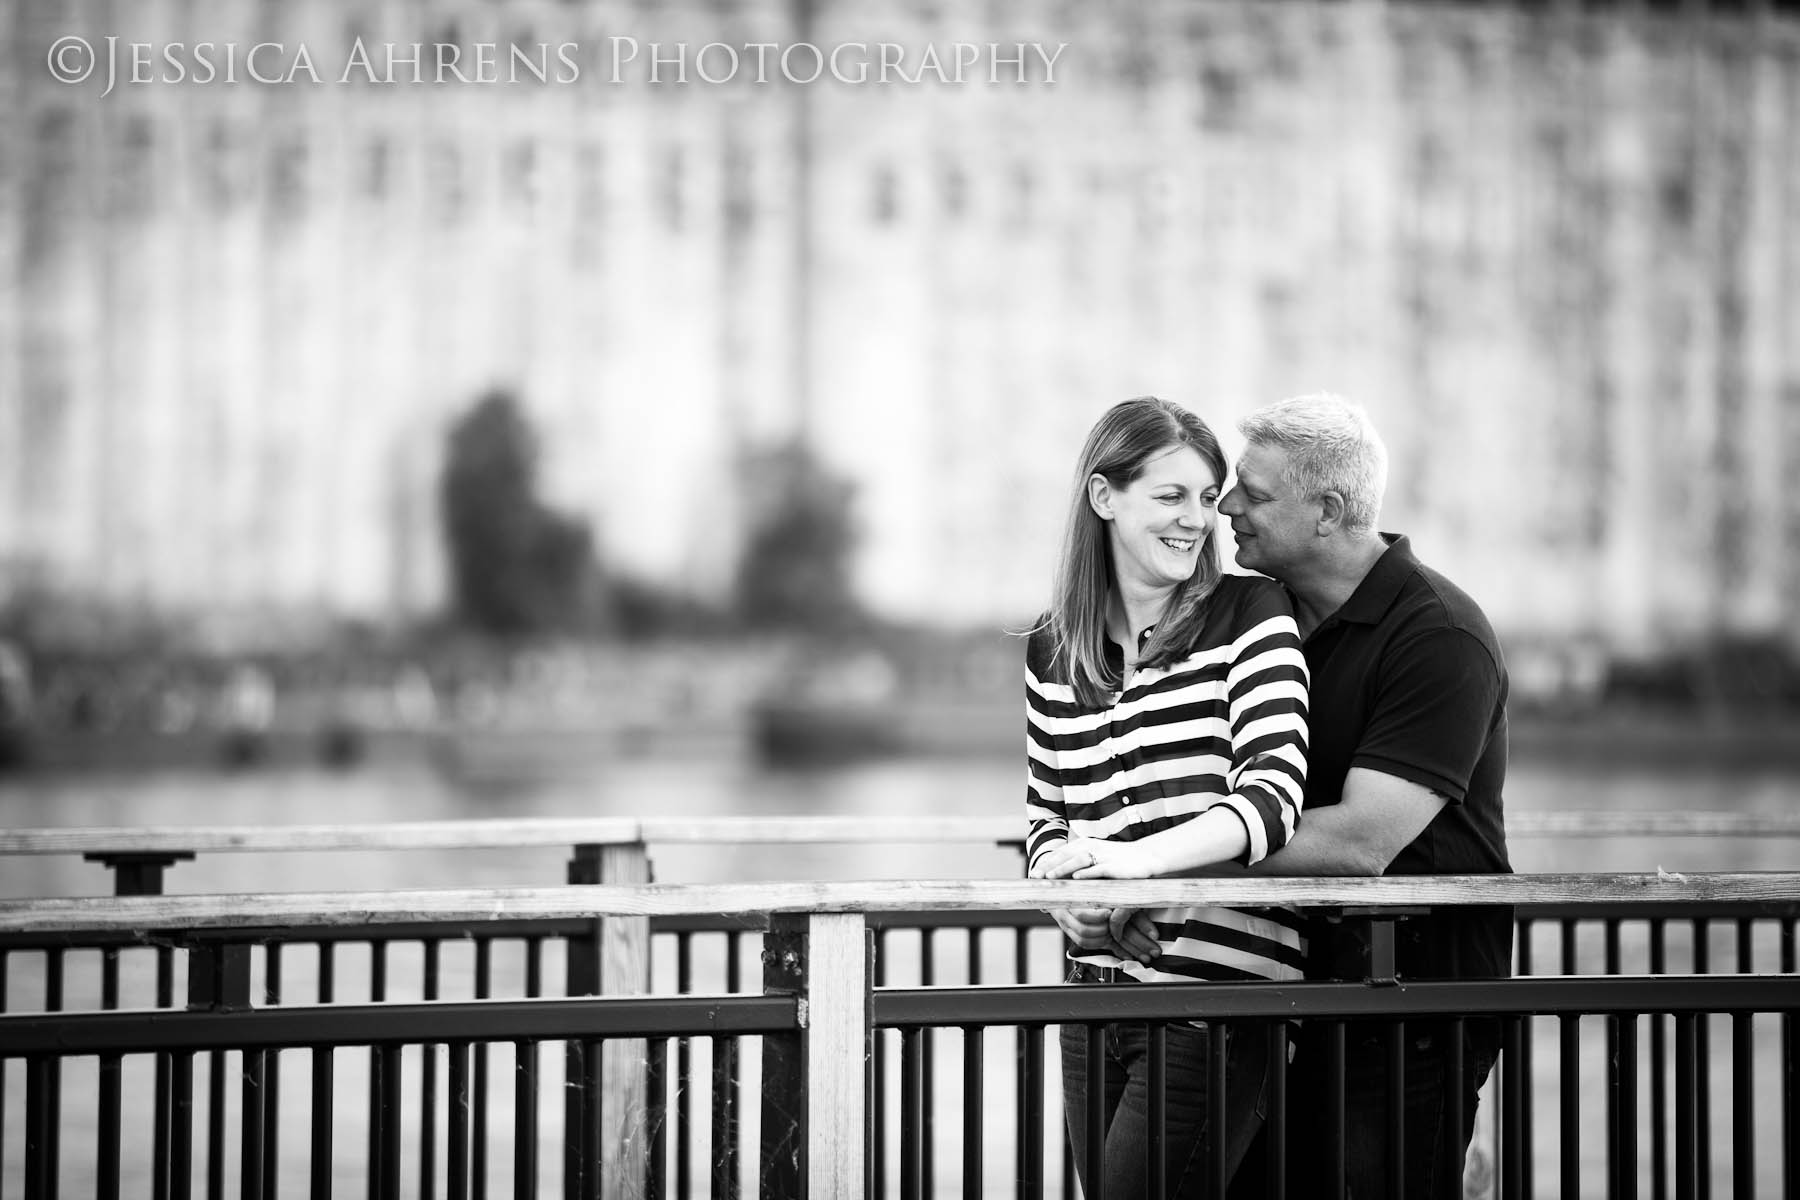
(1127, 1104)
(1434, 1150)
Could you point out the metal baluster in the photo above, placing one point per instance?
(1659, 1067)
(1031, 1135)
(1021, 1169)
(181, 1126)
(106, 1157)
(1743, 1105)
(1095, 1117)
(655, 1165)
(724, 1117)
(457, 1118)
(878, 1083)
(1568, 1104)
(378, 1110)
(250, 1125)
(728, 1078)
(1622, 1068)
(928, 1077)
(5, 958)
(323, 1083)
(41, 1118)
(593, 1117)
(525, 1118)
(912, 1152)
(1616, 1120)
(164, 1096)
(1687, 1126)
(428, 1079)
(684, 1131)
(1514, 1082)
(972, 1098)
(1703, 1070)
(1790, 1076)
(478, 1149)
(392, 1107)
(52, 1076)
(215, 1125)
(271, 1089)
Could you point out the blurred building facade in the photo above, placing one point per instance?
(1556, 249)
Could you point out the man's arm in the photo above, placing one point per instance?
(1378, 817)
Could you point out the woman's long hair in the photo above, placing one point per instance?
(1119, 446)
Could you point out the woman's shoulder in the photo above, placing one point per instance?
(1040, 645)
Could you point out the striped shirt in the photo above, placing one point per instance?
(1223, 726)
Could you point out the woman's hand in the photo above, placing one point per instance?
(1091, 858)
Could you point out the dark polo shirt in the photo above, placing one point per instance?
(1407, 678)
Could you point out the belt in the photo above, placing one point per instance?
(1084, 972)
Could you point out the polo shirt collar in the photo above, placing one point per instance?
(1376, 593)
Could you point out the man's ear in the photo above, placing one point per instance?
(1331, 513)
(1100, 496)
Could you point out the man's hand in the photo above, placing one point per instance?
(1089, 928)
(1126, 933)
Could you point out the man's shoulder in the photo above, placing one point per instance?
(1252, 597)
(1429, 600)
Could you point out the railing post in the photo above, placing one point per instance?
(615, 962)
(138, 874)
(814, 1114)
(218, 976)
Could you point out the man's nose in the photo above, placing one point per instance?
(1229, 504)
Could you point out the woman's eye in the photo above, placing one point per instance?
(1211, 500)
(1171, 498)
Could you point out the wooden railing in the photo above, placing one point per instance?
(820, 1009)
(141, 854)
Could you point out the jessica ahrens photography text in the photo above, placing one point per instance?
(616, 59)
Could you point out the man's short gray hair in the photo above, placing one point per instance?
(1331, 446)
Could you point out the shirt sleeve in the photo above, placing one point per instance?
(1267, 690)
(1048, 823)
(1434, 711)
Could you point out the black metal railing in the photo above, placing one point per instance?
(355, 1052)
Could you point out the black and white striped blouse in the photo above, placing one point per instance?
(1224, 725)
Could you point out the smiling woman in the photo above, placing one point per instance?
(1166, 707)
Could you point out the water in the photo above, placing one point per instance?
(731, 786)
(735, 787)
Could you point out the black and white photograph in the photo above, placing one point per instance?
(899, 599)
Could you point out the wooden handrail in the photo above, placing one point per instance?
(552, 831)
(337, 909)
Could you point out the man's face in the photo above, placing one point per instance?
(1276, 529)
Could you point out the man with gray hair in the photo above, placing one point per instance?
(1405, 766)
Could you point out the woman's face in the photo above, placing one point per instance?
(1159, 523)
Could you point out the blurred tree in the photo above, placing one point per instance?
(516, 566)
(795, 570)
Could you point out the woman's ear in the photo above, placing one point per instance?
(1100, 496)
